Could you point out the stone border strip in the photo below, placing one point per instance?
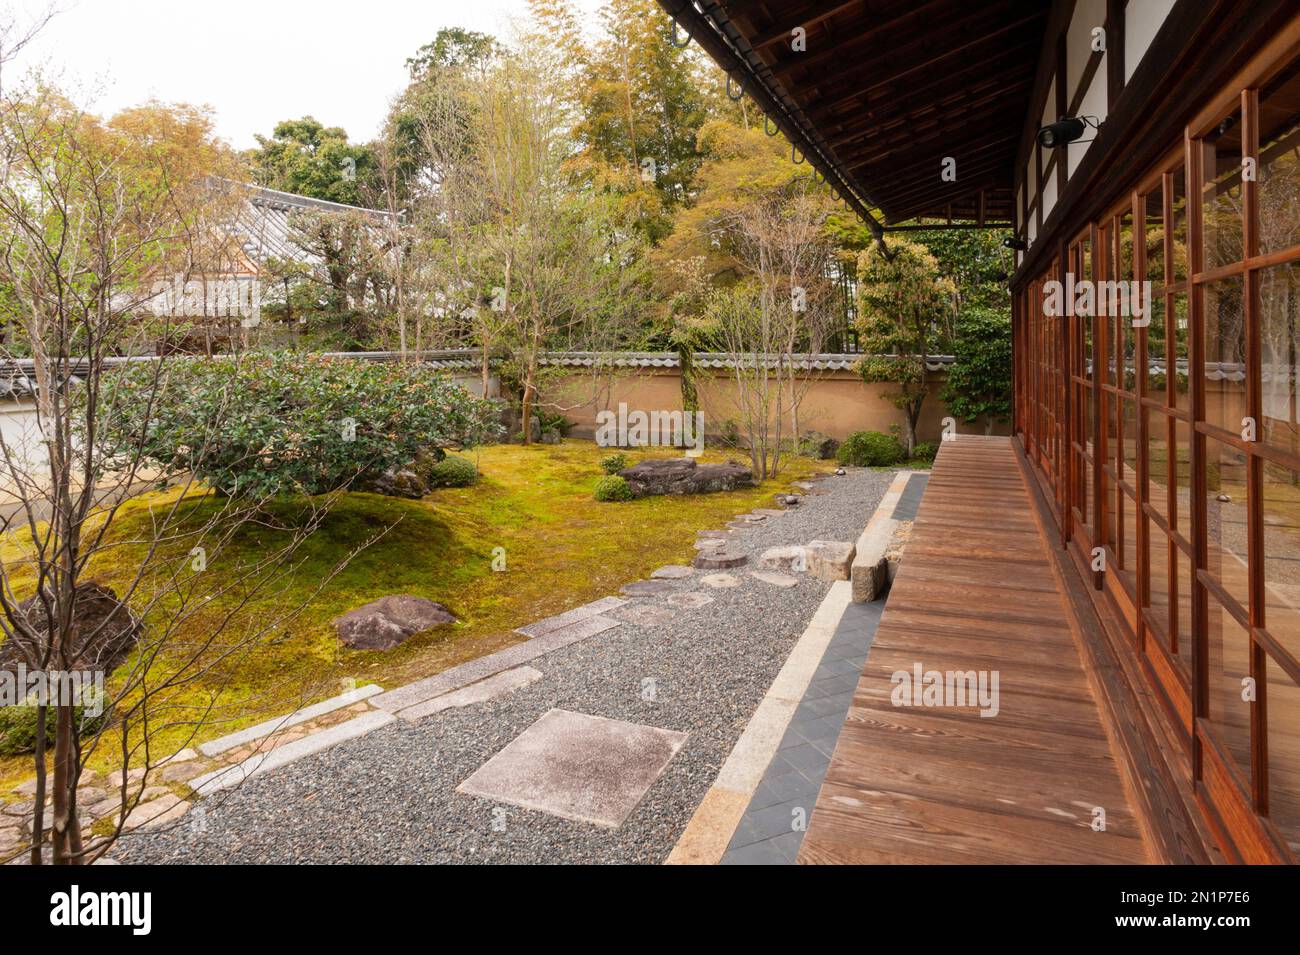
(507, 681)
(709, 831)
(229, 776)
(251, 734)
(550, 624)
(870, 570)
(474, 670)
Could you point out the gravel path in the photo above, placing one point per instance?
(390, 796)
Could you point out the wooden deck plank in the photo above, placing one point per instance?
(975, 591)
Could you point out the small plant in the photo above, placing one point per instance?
(614, 463)
(613, 488)
(925, 451)
(870, 449)
(453, 471)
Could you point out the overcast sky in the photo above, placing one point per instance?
(253, 61)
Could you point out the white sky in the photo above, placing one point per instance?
(255, 62)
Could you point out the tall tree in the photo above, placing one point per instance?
(905, 310)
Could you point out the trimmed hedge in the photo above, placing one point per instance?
(870, 449)
(613, 488)
(614, 463)
(452, 471)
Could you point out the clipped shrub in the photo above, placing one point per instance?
(870, 449)
(613, 488)
(614, 463)
(553, 422)
(287, 423)
(925, 451)
(18, 728)
(453, 471)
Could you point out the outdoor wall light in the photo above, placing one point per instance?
(1065, 130)
(1019, 245)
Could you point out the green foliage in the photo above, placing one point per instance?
(612, 488)
(18, 727)
(453, 48)
(287, 423)
(979, 379)
(553, 422)
(870, 449)
(453, 471)
(614, 463)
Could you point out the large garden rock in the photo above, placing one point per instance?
(685, 476)
(814, 444)
(403, 483)
(104, 630)
(389, 621)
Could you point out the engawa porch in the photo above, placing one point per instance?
(979, 589)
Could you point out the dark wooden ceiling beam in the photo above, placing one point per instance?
(776, 34)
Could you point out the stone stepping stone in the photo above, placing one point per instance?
(586, 768)
(718, 581)
(774, 578)
(768, 511)
(752, 518)
(830, 560)
(494, 686)
(691, 600)
(790, 557)
(646, 588)
(645, 614)
(720, 558)
(672, 572)
(569, 617)
(708, 544)
(714, 535)
(740, 525)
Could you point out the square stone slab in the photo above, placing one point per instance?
(585, 768)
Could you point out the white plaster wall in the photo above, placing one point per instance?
(1142, 21)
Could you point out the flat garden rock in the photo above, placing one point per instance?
(685, 476)
(787, 557)
(708, 544)
(389, 621)
(719, 581)
(830, 560)
(774, 578)
(644, 614)
(720, 558)
(672, 572)
(714, 535)
(690, 600)
(646, 588)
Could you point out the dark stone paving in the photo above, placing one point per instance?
(774, 823)
(910, 499)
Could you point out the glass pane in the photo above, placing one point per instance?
(1124, 252)
(1221, 199)
(1130, 442)
(1283, 706)
(1279, 298)
(1157, 380)
(1162, 595)
(1181, 452)
(1129, 560)
(1180, 223)
(1180, 601)
(1229, 666)
(1155, 238)
(1180, 344)
(1158, 464)
(1225, 354)
(1279, 163)
(1282, 555)
(1225, 512)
